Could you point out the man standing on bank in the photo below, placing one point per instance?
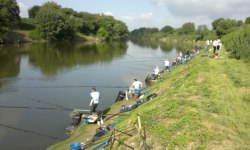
(95, 95)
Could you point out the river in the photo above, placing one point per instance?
(37, 80)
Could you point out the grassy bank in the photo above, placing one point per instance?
(203, 104)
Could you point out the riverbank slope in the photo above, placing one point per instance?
(203, 104)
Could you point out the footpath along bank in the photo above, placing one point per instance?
(203, 104)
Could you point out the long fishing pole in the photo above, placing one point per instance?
(27, 107)
(44, 102)
(135, 68)
(31, 132)
(73, 86)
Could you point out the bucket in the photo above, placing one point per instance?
(215, 55)
(75, 146)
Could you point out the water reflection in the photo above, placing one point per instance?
(10, 64)
(52, 58)
(145, 43)
(166, 46)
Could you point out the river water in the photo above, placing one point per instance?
(38, 80)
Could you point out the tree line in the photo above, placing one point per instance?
(51, 22)
(235, 34)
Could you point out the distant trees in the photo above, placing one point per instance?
(226, 26)
(167, 29)
(57, 23)
(187, 28)
(52, 23)
(202, 30)
(33, 11)
(115, 29)
(247, 21)
(215, 23)
(144, 33)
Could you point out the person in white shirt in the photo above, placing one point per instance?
(95, 95)
(219, 48)
(215, 43)
(137, 86)
(157, 71)
(207, 45)
(166, 63)
(181, 54)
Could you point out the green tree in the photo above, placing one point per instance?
(167, 29)
(89, 23)
(103, 34)
(247, 21)
(215, 23)
(33, 11)
(68, 11)
(240, 23)
(202, 31)
(9, 15)
(226, 26)
(187, 28)
(52, 23)
(116, 29)
(120, 30)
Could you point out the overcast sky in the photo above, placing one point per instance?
(155, 13)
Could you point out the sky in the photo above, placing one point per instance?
(155, 13)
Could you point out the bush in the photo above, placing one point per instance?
(36, 35)
(237, 43)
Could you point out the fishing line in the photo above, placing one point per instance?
(139, 64)
(22, 78)
(31, 132)
(134, 68)
(44, 102)
(27, 107)
(73, 86)
(136, 61)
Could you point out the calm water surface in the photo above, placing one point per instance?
(38, 76)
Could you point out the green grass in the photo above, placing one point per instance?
(203, 104)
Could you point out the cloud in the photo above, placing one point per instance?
(209, 8)
(108, 13)
(144, 17)
(23, 9)
(139, 20)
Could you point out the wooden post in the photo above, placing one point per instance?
(139, 122)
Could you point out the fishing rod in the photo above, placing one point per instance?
(44, 102)
(27, 107)
(137, 64)
(73, 86)
(139, 69)
(19, 78)
(31, 132)
(158, 58)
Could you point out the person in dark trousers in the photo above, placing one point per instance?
(95, 95)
